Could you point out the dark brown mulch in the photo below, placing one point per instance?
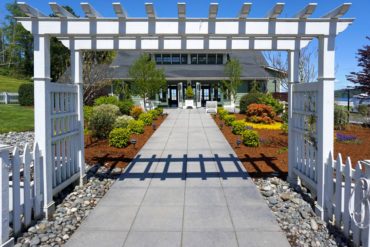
(271, 157)
(99, 151)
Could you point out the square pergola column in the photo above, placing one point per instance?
(42, 106)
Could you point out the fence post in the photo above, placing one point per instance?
(6, 101)
(76, 74)
(4, 183)
(293, 63)
(325, 113)
(43, 130)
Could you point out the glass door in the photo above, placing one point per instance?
(172, 96)
(206, 91)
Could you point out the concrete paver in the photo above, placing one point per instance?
(185, 188)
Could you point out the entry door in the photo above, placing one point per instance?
(172, 96)
(206, 94)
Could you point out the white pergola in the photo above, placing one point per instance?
(183, 34)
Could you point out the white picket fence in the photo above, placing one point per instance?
(21, 190)
(340, 182)
(8, 98)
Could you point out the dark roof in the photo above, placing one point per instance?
(253, 67)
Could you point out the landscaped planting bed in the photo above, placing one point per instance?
(271, 156)
(99, 151)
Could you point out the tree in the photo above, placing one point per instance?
(96, 73)
(233, 70)
(18, 44)
(306, 65)
(147, 79)
(362, 77)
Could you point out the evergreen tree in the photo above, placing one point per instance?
(362, 77)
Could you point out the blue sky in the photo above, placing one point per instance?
(346, 46)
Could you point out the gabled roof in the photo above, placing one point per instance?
(253, 67)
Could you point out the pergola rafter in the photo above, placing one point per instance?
(153, 33)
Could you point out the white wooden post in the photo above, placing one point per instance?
(4, 198)
(42, 116)
(6, 98)
(325, 113)
(76, 75)
(293, 77)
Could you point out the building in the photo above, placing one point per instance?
(204, 72)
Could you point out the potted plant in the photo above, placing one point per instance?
(189, 102)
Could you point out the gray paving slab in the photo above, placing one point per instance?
(185, 188)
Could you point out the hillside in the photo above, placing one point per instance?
(9, 84)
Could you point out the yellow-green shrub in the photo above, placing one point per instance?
(251, 138)
(229, 119)
(119, 137)
(147, 118)
(136, 126)
(238, 127)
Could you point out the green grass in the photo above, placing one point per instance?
(15, 118)
(9, 84)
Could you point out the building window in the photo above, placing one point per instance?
(184, 58)
(176, 59)
(211, 59)
(166, 58)
(220, 58)
(158, 58)
(202, 58)
(194, 58)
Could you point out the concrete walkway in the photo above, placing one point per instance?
(185, 188)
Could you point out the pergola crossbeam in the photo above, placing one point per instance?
(339, 11)
(118, 9)
(60, 11)
(276, 11)
(149, 8)
(307, 11)
(90, 11)
(30, 11)
(244, 11)
(181, 9)
(213, 9)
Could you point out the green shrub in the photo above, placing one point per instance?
(122, 121)
(136, 111)
(147, 118)
(125, 106)
(102, 120)
(25, 94)
(341, 117)
(154, 114)
(189, 92)
(267, 99)
(250, 98)
(222, 113)
(250, 138)
(159, 110)
(363, 110)
(136, 126)
(229, 119)
(119, 137)
(105, 100)
(87, 113)
(238, 127)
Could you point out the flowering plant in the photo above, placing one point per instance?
(345, 138)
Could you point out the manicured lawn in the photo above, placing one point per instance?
(15, 118)
(9, 84)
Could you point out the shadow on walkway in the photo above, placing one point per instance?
(225, 167)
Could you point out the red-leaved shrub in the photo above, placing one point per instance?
(260, 113)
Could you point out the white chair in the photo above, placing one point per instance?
(211, 106)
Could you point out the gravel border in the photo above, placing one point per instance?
(293, 209)
(73, 206)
